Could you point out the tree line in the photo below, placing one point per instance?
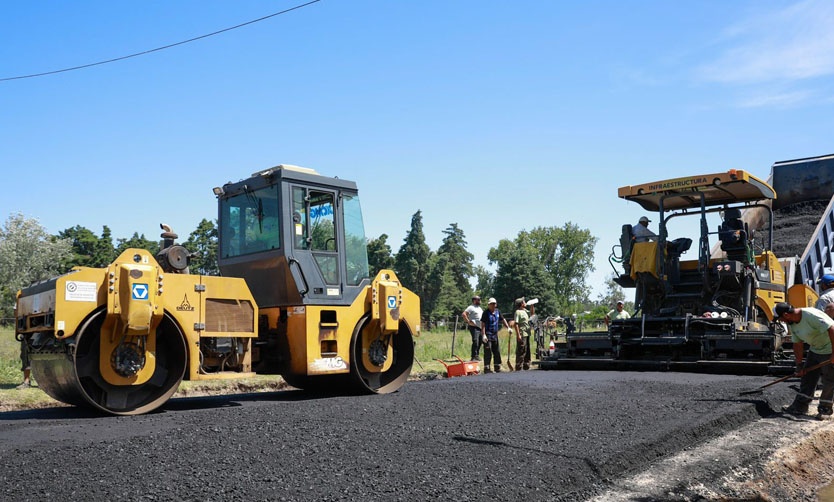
(549, 263)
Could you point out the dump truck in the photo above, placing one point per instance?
(294, 299)
(714, 312)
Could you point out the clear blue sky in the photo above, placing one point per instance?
(496, 115)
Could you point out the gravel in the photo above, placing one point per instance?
(537, 435)
(793, 226)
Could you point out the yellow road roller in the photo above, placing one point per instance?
(295, 299)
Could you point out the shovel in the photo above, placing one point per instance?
(509, 349)
(760, 389)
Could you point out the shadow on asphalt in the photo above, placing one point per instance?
(57, 413)
(233, 400)
(174, 405)
(491, 442)
(764, 409)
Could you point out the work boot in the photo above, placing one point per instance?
(796, 409)
(498, 369)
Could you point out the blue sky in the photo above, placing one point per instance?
(496, 115)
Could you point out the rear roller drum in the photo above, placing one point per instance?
(76, 379)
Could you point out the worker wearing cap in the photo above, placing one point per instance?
(641, 231)
(826, 301)
(522, 330)
(619, 312)
(472, 316)
(814, 327)
(491, 322)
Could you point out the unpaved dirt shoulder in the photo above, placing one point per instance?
(772, 459)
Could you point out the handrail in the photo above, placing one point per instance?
(293, 261)
(819, 252)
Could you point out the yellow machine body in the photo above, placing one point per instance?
(130, 298)
(326, 340)
(296, 299)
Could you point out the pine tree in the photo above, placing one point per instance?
(412, 263)
(379, 255)
(203, 244)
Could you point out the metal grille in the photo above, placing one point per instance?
(229, 315)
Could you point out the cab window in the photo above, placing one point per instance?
(314, 223)
(249, 222)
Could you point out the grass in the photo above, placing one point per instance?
(9, 358)
(429, 346)
(10, 377)
(437, 344)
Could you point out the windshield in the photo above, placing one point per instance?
(356, 246)
(249, 222)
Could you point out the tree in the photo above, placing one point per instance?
(202, 242)
(87, 249)
(27, 254)
(459, 258)
(572, 262)
(412, 263)
(137, 241)
(485, 281)
(448, 290)
(105, 252)
(444, 298)
(520, 272)
(548, 262)
(379, 254)
(84, 244)
(613, 293)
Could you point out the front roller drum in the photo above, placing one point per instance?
(363, 367)
(75, 378)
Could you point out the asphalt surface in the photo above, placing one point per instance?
(536, 435)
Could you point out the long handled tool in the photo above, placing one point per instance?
(454, 334)
(509, 347)
(760, 389)
(417, 360)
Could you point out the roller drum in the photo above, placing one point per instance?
(367, 381)
(363, 377)
(74, 377)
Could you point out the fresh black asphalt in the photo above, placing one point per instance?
(536, 435)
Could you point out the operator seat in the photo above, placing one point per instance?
(733, 234)
(679, 246)
(674, 250)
